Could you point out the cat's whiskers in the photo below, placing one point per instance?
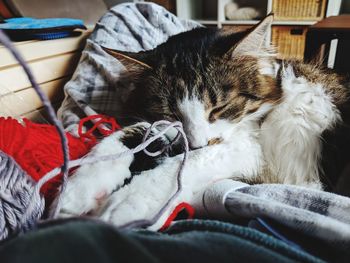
(174, 113)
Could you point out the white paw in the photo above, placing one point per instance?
(142, 199)
(124, 207)
(309, 104)
(92, 183)
(317, 109)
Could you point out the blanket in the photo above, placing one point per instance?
(187, 241)
(310, 212)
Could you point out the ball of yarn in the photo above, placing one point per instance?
(37, 150)
(20, 205)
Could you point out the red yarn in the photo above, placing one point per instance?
(180, 207)
(37, 148)
(100, 120)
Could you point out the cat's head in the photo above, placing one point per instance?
(206, 78)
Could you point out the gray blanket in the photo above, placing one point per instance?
(315, 213)
(142, 26)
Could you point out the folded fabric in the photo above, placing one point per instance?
(27, 28)
(188, 241)
(312, 212)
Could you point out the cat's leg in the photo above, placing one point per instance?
(144, 195)
(92, 183)
(147, 193)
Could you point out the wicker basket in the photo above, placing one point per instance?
(290, 41)
(299, 9)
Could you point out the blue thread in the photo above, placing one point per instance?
(275, 233)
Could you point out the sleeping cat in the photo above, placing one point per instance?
(247, 116)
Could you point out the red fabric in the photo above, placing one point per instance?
(182, 206)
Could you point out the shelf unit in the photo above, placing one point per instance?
(211, 12)
(285, 31)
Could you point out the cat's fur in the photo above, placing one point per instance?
(247, 116)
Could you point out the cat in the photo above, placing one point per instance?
(247, 116)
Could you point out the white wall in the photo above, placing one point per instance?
(111, 3)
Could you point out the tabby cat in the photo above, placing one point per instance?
(247, 115)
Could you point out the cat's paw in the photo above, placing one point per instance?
(92, 183)
(311, 107)
(125, 207)
(144, 196)
(317, 109)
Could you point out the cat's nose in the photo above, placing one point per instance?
(194, 145)
(214, 141)
(207, 143)
(197, 138)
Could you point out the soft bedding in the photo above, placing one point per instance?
(313, 213)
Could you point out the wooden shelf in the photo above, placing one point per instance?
(289, 18)
(207, 22)
(295, 23)
(240, 22)
(253, 22)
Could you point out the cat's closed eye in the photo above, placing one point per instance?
(249, 96)
(215, 113)
(226, 87)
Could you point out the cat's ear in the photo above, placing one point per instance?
(132, 61)
(256, 41)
